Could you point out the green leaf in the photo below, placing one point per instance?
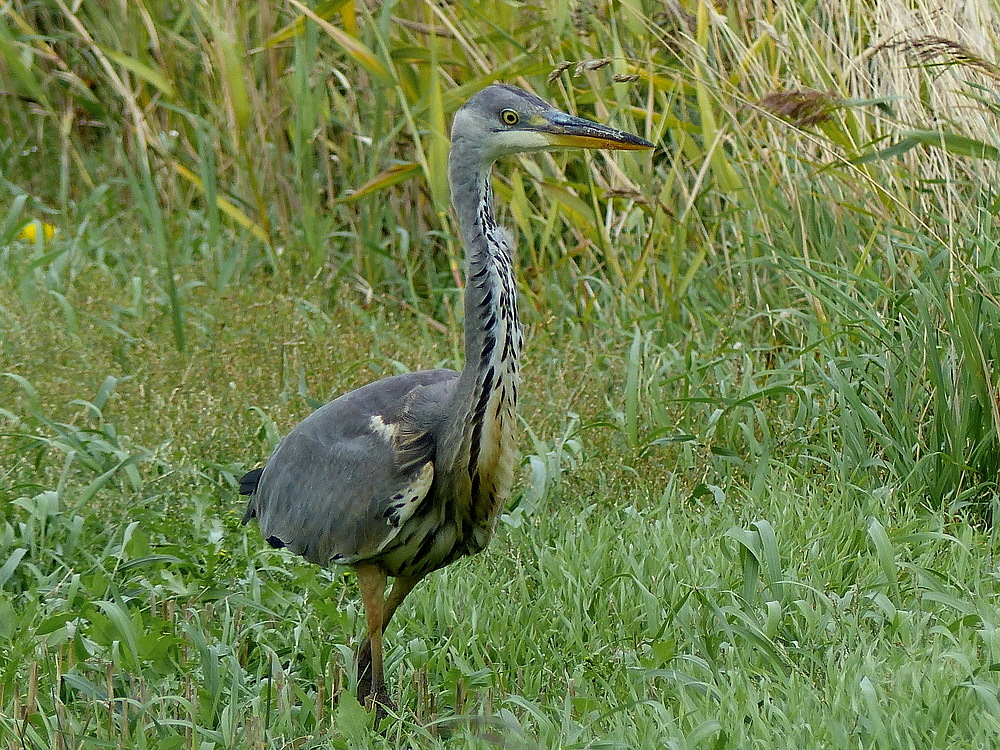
(146, 72)
(770, 558)
(22, 74)
(12, 221)
(124, 626)
(8, 620)
(85, 686)
(11, 565)
(954, 143)
(886, 557)
(392, 176)
(354, 48)
(226, 206)
(142, 562)
(352, 719)
(325, 10)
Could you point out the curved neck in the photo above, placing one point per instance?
(492, 329)
(487, 391)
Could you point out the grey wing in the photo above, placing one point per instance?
(340, 485)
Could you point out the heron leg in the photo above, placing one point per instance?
(400, 588)
(371, 679)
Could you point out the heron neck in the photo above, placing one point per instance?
(493, 337)
(487, 391)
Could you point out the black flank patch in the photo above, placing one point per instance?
(478, 414)
(474, 447)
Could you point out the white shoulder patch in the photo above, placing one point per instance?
(386, 430)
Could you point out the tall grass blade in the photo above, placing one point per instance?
(886, 556)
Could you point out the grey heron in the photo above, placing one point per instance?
(405, 475)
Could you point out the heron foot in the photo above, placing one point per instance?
(374, 697)
(378, 703)
(364, 660)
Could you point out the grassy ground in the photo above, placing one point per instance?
(760, 443)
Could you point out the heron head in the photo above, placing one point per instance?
(502, 120)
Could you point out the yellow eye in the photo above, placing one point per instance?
(508, 117)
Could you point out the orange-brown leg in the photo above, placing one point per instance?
(371, 679)
(400, 588)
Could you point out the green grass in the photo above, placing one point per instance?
(760, 445)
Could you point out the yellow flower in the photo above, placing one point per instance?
(29, 231)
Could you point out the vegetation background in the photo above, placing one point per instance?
(760, 402)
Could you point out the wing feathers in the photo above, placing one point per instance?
(345, 481)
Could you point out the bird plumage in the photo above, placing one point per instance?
(408, 474)
(330, 490)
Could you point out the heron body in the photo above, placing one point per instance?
(404, 476)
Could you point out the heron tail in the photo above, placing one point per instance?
(248, 486)
(249, 481)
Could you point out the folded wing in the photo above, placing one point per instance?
(342, 483)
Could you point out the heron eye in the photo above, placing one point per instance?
(508, 117)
